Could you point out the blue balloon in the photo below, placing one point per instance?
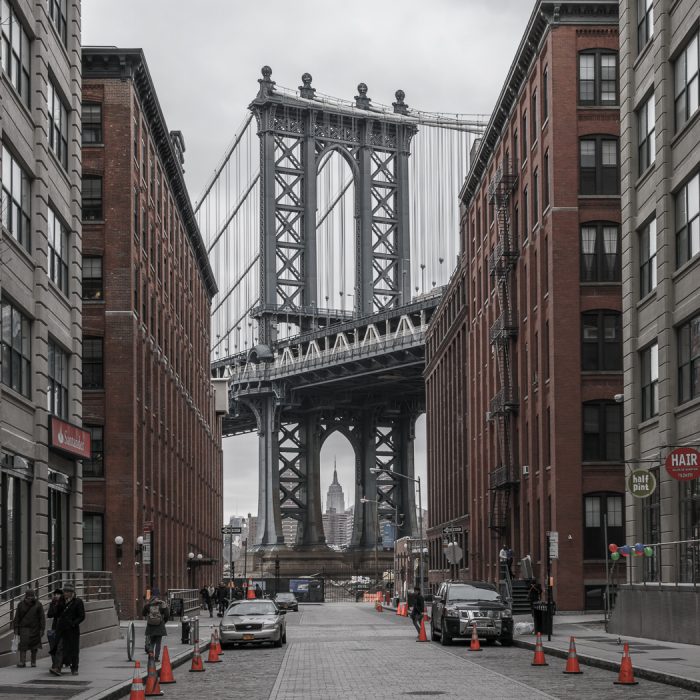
(639, 547)
(625, 549)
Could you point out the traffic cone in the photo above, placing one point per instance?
(197, 665)
(474, 644)
(218, 642)
(378, 607)
(137, 691)
(166, 670)
(572, 660)
(250, 595)
(152, 683)
(213, 657)
(626, 676)
(422, 637)
(539, 659)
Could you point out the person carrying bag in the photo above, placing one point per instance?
(155, 613)
(29, 625)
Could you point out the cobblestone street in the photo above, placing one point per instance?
(349, 651)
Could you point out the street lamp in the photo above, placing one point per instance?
(378, 470)
(119, 541)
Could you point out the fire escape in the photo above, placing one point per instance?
(503, 478)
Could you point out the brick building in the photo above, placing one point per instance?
(156, 465)
(41, 402)
(539, 279)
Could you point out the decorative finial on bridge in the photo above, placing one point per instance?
(306, 90)
(267, 86)
(400, 107)
(361, 100)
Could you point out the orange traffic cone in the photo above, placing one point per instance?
(218, 642)
(398, 608)
(474, 644)
(152, 683)
(572, 660)
(213, 657)
(626, 676)
(250, 595)
(197, 665)
(422, 637)
(378, 607)
(166, 670)
(137, 692)
(539, 659)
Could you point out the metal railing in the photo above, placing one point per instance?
(673, 564)
(190, 596)
(89, 585)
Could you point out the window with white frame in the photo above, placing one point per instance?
(58, 125)
(688, 220)
(58, 251)
(650, 381)
(686, 79)
(597, 78)
(599, 169)
(57, 390)
(15, 199)
(15, 51)
(647, 258)
(646, 125)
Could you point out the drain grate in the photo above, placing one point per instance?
(49, 681)
(17, 692)
(425, 693)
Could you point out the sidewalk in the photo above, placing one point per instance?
(105, 671)
(665, 662)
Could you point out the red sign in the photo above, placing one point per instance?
(68, 438)
(683, 463)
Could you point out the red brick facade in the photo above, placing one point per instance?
(551, 478)
(162, 459)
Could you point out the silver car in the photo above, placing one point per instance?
(253, 622)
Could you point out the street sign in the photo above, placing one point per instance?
(450, 529)
(641, 483)
(683, 463)
(146, 548)
(236, 530)
(230, 530)
(454, 553)
(148, 526)
(554, 545)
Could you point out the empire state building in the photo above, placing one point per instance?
(337, 524)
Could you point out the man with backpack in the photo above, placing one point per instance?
(155, 613)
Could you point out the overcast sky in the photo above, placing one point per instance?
(205, 59)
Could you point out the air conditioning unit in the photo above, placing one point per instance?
(488, 416)
(526, 470)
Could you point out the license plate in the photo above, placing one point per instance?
(248, 637)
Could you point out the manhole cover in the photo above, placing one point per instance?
(425, 693)
(17, 692)
(53, 683)
(670, 658)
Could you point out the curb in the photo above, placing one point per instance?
(595, 661)
(122, 689)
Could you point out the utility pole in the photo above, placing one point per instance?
(549, 590)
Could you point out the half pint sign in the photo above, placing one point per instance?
(683, 463)
(641, 483)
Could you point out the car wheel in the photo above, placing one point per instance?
(445, 638)
(278, 642)
(506, 641)
(284, 637)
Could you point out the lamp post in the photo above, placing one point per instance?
(139, 554)
(378, 470)
(119, 541)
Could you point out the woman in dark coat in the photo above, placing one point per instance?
(56, 606)
(68, 632)
(29, 624)
(156, 614)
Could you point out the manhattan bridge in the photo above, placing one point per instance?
(332, 227)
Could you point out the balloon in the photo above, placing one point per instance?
(625, 550)
(649, 551)
(638, 554)
(615, 556)
(639, 547)
(612, 548)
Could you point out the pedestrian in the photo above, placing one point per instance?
(534, 593)
(155, 613)
(68, 632)
(29, 625)
(58, 602)
(258, 591)
(206, 600)
(222, 596)
(509, 560)
(418, 608)
(503, 560)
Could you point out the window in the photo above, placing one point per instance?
(597, 78)
(15, 51)
(535, 202)
(524, 134)
(646, 123)
(526, 218)
(57, 390)
(601, 510)
(92, 279)
(647, 259)
(645, 23)
(15, 342)
(95, 465)
(92, 363)
(93, 542)
(92, 198)
(688, 220)
(58, 12)
(515, 149)
(600, 252)
(602, 431)
(58, 125)
(650, 381)
(602, 341)
(689, 360)
(545, 181)
(599, 173)
(686, 81)
(545, 91)
(689, 501)
(533, 116)
(58, 251)
(92, 123)
(15, 199)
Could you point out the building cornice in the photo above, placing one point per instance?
(545, 14)
(112, 63)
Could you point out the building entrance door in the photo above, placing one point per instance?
(58, 530)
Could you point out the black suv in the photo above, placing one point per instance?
(458, 605)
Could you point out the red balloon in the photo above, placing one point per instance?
(612, 548)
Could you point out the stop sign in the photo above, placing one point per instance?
(683, 463)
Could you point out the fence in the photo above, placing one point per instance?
(191, 600)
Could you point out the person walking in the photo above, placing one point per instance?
(418, 608)
(68, 632)
(222, 599)
(56, 606)
(258, 591)
(155, 613)
(206, 598)
(29, 625)
(509, 560)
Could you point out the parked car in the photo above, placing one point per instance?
(459, 605)
(253, 622)
(286, 601)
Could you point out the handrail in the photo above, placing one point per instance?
(507, 582)
(190, 596)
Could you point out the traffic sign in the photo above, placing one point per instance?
(683, 463)
(230, 530)
(450, 529)
(454, 553)
(554, 545)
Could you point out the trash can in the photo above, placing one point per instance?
(542, 618)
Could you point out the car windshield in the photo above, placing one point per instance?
(284, 596)
(465, 592)
(252, 609)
